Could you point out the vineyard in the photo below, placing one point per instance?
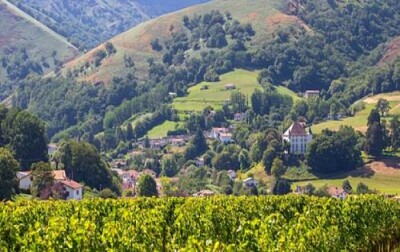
(290, 223)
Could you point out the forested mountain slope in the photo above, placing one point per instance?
(27, 46)
(88, 23)
(264, 15)
(300, 44)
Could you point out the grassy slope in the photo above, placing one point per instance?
(263, 14)
(359, 121)
(162, 130)
(18, 30)
(215, 96)
(383, 176)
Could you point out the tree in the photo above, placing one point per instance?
(322, 192)
(199, 141)
(268, 159)
(244, 159)
(83, 163)
(278, 169)
(383, 106)
(43, 178)
(282, 187)
(374, 140)
(147, 186)
(346, 186)
(395, 133)
(363, 189)
(107, 194)
(169, 167)
(8, 174)
(27, 140)
(334, 151)
(129, 132)
(309, 189)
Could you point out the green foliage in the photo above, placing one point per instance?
(169, 167)
(42, 178)
(8, 174)
(334, 151)
(168, 224)
(363, 189)
(86, 25)
(374, 142)
(147, 186)
(347, 186)
(83, 163)
(24, 135)
(107, 194)
(278, 168)
(282, 187)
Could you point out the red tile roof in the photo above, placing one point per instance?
(71, 184)
(296, 130)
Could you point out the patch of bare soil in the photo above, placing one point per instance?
(391, 53)
(280, 18)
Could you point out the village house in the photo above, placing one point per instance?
(172, 95)
(204, 193)
(216, 132)
(129, 178)
(51, 149)
(199, 162)
(298, 138)
(250, 182)
(74, 189)
(232, 174)
(239, 117)
(311, 93)
(230, 86)
(178, 142)
(225, 138)
(337, 193)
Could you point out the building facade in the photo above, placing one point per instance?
(298, 138)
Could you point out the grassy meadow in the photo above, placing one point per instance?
(216, 95)
(359, 120)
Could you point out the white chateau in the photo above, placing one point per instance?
(298, 138)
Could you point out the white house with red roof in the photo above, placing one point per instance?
(74, 189)
(298, 138)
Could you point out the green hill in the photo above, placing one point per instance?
(215, 94)
(24, 40)
(264, 15)
(19, 30)
(88, 23)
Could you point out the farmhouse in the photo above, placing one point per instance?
(311, 93)
(230, 86)
(337, 193)
(298, 138)
(250, 182)
(74, 189)
(239, 117)
(51, 149)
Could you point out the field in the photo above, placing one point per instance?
(265, 16)
(19, 30)
(383, 176)
(162, 130)
(215, 96)
(286, 223)
(359, 121)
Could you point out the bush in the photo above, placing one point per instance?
(108, 194)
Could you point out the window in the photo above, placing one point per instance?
(77, 192)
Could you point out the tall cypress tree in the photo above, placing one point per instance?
(374, 138)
